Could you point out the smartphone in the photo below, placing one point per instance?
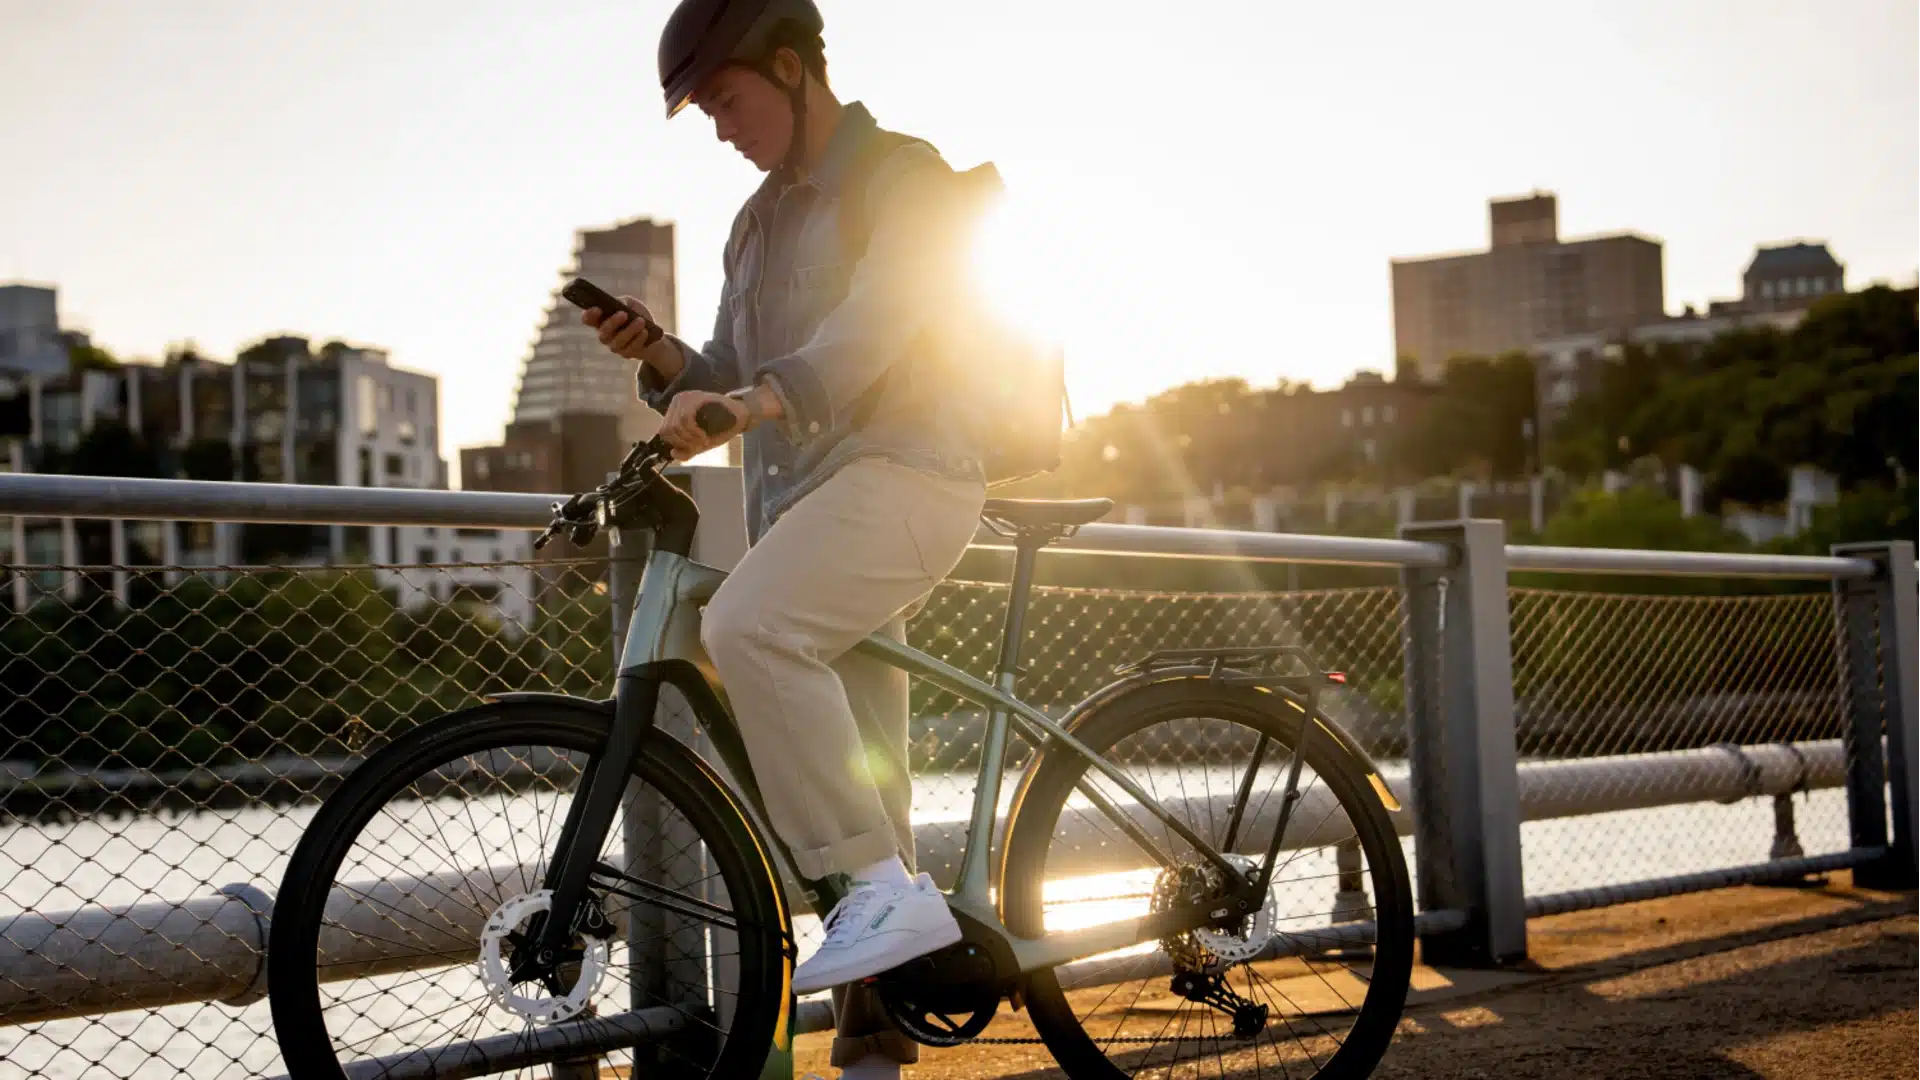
(584, 294)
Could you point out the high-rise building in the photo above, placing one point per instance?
(31, 341)
(1529, 286)
(569, 371)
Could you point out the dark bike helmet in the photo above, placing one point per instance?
(703, 36)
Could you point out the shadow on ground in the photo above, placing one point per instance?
(1796, 983)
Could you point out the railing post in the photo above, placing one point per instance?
(1459, 691)
(1876, 619)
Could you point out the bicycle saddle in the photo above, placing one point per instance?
(1045, 513)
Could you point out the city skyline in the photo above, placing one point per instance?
(197, 178)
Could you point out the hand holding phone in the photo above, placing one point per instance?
(585, 295)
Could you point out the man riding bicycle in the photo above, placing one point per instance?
(862, 490)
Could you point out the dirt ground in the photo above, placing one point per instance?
(1780, 983)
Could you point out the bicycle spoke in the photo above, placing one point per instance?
(1311, 975)
(447, 818)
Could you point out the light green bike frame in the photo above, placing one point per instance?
(664, 636)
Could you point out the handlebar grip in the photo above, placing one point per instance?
(714, 418)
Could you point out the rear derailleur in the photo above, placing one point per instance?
(1249, 1017)
(1202, 957)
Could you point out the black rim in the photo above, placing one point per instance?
(1327, 1012)
(471, 810)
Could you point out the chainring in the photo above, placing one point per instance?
(945, 998)
(943, 1025)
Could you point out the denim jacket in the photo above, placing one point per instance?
(821, 330)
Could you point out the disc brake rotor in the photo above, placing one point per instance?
(1254, 931)
(1212, 949)
(502, 939)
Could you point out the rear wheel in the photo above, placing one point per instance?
(398, 935)
(1311, 985)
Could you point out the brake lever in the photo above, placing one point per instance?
(570, 516)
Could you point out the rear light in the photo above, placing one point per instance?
(1337, 676)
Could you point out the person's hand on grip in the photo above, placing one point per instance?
(619, 330)
(682, 430)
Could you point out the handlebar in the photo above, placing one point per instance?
(582, 515)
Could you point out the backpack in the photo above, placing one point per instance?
(1021, 382)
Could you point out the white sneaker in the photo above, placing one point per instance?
(877, 928)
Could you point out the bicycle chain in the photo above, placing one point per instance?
(1008, 1040)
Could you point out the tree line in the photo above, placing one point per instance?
(1837, 392)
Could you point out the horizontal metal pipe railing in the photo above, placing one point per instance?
(1654, 888)
(1570, 560)
(1165, 540)
(95, 960)
(36, 495)
(534, 1046)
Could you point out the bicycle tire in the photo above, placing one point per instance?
(663, 763)
(1051, 780)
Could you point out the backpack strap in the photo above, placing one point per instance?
(856, 219)
(856, 231)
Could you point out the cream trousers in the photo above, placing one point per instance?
(826, 729)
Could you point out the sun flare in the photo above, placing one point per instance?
(1015, 267)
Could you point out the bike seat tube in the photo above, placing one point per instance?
(986, 791)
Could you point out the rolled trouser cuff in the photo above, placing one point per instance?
(846, 856)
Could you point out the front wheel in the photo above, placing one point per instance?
(1310, 985)
(398, 938)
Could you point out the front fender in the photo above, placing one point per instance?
(561, 701)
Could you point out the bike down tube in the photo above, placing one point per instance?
(1034, 724)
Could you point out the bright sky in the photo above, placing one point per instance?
(1211, 188)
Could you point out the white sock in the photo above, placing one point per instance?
(888, 871)
(872, 1067)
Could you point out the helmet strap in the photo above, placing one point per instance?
(797, 100)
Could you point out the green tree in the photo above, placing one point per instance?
(1634, 518)
(1838, 392)
(1863, 515)
(207, 459)
(112, 449)
(82, 356)
(1482, 422)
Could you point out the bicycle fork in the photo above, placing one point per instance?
(590, 817)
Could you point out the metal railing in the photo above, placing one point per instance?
(1556, 749)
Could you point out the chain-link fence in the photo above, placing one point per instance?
(161, 748)
(1076, 638)
(1604, 675)
(168, 731)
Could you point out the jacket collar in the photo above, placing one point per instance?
(857, 127)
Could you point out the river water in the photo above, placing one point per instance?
(50, 868)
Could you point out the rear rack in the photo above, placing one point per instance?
(1222, 664)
